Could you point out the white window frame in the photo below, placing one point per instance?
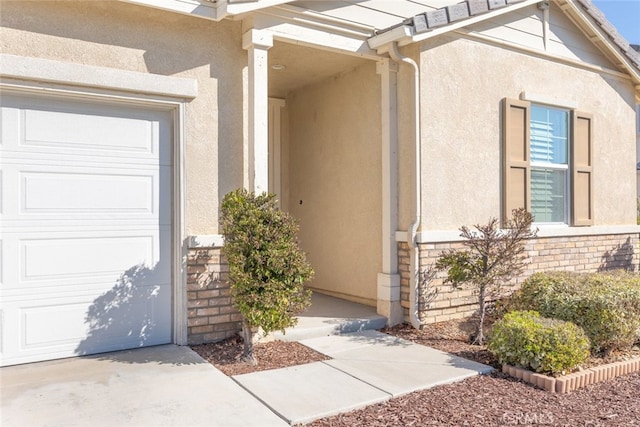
(557, 167)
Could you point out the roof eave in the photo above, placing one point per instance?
(215, 10)
(237, 7)
(605, 37)
(602, 34)
(406, 34)
(200, 9)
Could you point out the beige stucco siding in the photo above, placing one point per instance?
(128, 37)
(463, 83)
(334, 180)
(525, 28)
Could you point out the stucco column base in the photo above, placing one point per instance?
(388, 304)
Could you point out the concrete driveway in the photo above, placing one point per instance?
(156, 386)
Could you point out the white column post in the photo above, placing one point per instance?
(257, 42)
(389, 279)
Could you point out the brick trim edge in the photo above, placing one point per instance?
(576, 380)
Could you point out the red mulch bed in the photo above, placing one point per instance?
(225, 355)
(498, 400)
(488, 400)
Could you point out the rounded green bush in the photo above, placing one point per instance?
(527, 340)
(606, 306)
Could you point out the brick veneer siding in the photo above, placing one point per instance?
(210, 315)
(580, 253)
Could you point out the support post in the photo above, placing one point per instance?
(257, 43)
(389, 279)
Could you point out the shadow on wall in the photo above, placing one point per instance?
(620, 257)
(135, 313)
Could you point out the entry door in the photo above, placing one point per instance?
(85, 227)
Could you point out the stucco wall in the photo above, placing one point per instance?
(463, 83)
(128, 37)
(334, 180)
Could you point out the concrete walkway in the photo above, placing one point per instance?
(172, 386)
(366, 368)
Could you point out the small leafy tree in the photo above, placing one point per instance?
(491, 258)
(267, 269)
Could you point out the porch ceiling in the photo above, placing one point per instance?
(304, 66)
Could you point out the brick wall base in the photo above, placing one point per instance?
(580, 253)
(210, 315)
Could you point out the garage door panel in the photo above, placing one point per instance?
(2, 278)
(52, 325)
(1, 192)
(124, 314)
(85, 257)
(59, 259)
(89, 193)
(132, 311)
(54, 127)
(77, 192)
(124, 317)
(61, 129)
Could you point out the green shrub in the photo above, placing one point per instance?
(526, 340)
(606, 306)
(267, 269)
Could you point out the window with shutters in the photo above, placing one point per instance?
(548, 163)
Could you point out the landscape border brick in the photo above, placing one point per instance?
(575, 380)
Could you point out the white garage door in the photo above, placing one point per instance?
(85, 227)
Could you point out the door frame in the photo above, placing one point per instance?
(275, 148)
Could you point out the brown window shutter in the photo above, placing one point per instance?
(515, 149)
(582, 168)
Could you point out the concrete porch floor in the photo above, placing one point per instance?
(332, 316)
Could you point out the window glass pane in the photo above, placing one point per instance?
(549, 135)
(548, 195)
